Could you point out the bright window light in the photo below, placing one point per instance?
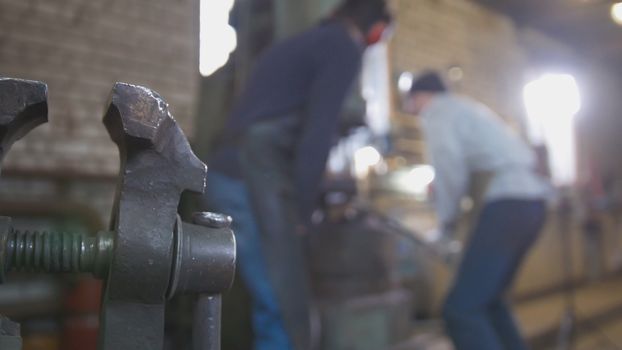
(616, 12)
(364, 159)
(552, 101)
(376, 88)
(217, 38)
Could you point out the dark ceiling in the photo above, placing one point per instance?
(584, 24)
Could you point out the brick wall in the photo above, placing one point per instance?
(68, 167)
(493, 53)
(80, 48)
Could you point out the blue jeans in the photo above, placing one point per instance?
(267, 158)
(229, 196)
(476, 314)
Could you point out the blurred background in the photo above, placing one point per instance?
(376, 286)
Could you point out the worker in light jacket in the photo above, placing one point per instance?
(465, 138)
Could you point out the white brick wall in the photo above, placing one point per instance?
(493, 53)
(80, 48)
(491, 50)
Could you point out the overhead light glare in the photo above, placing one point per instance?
(616, 13)
(364, 159)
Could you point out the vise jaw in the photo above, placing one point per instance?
(148, 255)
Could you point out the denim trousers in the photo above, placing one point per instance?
(230, 196)
(267, 156)
(476, 315)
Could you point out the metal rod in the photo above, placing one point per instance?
(567, 327)
(206, 327)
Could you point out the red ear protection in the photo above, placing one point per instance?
(376, 33)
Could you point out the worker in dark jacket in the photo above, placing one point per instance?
(267, 168)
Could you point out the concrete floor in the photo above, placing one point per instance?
(598, 310)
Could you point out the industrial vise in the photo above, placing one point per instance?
(148, 255)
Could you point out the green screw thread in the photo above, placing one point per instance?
(53, 252)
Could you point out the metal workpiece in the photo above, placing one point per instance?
(23, 106)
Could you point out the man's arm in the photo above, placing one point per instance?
(328, 92)
(451, 171)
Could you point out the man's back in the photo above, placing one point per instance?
(486, 141)
(282, 79)
(465, 137)
(306, 77)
